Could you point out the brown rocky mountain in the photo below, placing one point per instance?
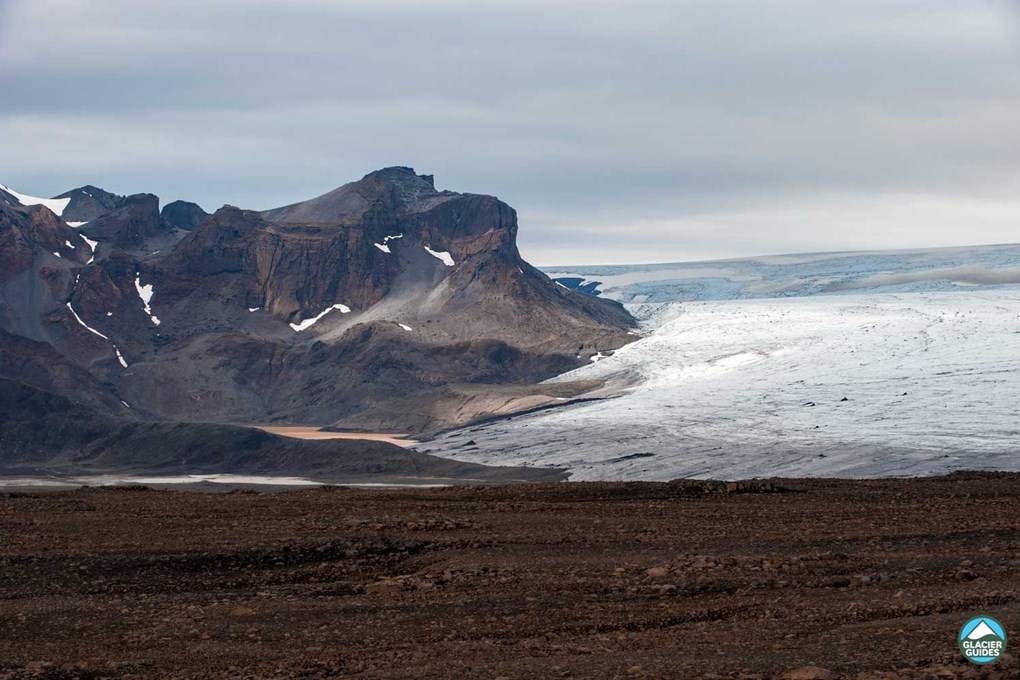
(88, 202)
(382, 303)
(183, 215)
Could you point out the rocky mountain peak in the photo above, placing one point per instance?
(386, 192)
(89, 202)
(183, 214)
(402, 183)
(381, 289)
(134, 226)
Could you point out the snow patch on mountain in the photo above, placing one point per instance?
(308, 323)
(85, 325)
(56, 205)
(93, 245)
(120, 357)
(145, 293)
(384, 246)
(445, 257)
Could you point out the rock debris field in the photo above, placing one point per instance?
(808, 579)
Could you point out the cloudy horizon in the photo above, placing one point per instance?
(646, 131)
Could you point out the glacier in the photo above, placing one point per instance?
(800, 275)
(789, 366)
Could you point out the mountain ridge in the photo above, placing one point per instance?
(381, 291)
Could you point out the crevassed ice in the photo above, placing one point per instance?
(867, 385)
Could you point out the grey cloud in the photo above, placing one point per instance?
(647, 130)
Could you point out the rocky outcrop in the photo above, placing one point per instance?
(134, 227)
(183, 215)
(39, 254)
(89, 202)
(378, 293)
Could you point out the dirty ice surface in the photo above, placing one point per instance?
(851, 385)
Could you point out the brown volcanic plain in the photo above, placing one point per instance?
(781, 579)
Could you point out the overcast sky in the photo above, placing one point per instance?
(638, 131)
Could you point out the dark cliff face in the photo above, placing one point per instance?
(132, 226)
(26, 234)
(39, 255)
(89, 202)
(290, 272)
(183, 215)
(313, 312)
(433, 255)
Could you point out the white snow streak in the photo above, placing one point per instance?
(308, 323)
(93, 245)
(385, 248)
(85, 325)
(405, 326)
(441, 255)
(89, 328)
(145, 293)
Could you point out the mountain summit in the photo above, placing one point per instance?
(383, 303)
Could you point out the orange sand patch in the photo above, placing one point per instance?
(305, 432)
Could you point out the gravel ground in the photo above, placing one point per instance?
(807, 579)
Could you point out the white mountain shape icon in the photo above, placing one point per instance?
(981, 630)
